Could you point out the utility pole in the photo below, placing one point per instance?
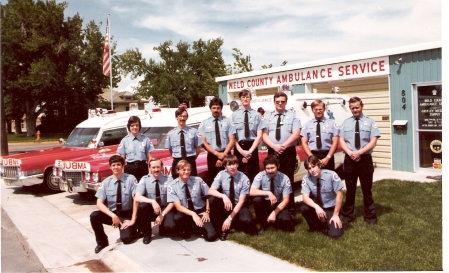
(3, 134)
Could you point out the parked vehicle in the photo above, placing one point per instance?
(100, 133)
(97, 167)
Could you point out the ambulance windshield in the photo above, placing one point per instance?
(158, 136)
(81, 137)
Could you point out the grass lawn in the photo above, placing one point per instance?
(408, 235)
(17, 138)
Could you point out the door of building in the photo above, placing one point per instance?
(429, 126)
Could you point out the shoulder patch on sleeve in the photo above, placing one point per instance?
(135, 181)
(247, 183)
(169, 189)
(374, 124)
(304, 181)
(287, 182)
(336, 177)
(258, 177)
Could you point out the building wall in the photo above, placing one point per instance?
(418, 67)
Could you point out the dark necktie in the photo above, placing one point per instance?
(357, 134)
(246, 125)
(272, 185)
(183, 145)
(319, 201)
(318, 135)
(158, 189)
(217, 134)
(231, 191)
(189, 198)
(119, 195)
(278, 128)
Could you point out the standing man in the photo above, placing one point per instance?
(186, 193)
(358, 137)
(281, 132)
(217, 135)
(136, 149)
(319, 136)
(248, 127)
(183, 142)
(229, 207)
(271, 190)
(121, 210)
(151, 194)
(322, 193)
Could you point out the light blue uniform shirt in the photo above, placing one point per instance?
(254, 120)
(241, 184)
(191, 138)
(330, 185)
(329, 129)
(207, 129)
(367, 127)
(147, 187)
(289, 122)
(108, 191)
(135, 148)
(198, 188)
(282, 185)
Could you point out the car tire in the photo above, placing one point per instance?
(48, 185)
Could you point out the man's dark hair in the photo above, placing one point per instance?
(280, 94)
(356, 99)
(271, 159)
(230, 160)
(245, 92)
(181, 110)
(215, 101)
(312, 161)
(133, 119)
(315, 103)
(115, 159)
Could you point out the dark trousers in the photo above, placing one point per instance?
(185, 224)
(241, 221)
(287, 166)
(322, 154)
(98, 218)
(362, 170)
(263, 208)
(212, 170)
(190, 159)
(137, 169)
(146, 215)
(251, 169)
(309, 213)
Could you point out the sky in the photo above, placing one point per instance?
(269, 31)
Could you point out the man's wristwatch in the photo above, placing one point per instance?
(328, 156)
(163, 215)
(230, 218)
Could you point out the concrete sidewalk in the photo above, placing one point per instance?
(57, 227)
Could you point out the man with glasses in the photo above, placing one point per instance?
(281, 132)
(183, 142)
(247, 123)
(136, 149)
(319, 136)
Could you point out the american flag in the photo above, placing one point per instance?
(106, 56)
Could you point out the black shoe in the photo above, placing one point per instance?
(371, 222)
(223, 236)
(185, 235)
(146, 239)
(261, 231)
(98, 248)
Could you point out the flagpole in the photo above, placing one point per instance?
(110, 59)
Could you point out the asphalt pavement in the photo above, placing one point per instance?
(57, 228)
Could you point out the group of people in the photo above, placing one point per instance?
(140, 193)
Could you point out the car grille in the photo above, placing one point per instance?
(75, 176)
(10, 172)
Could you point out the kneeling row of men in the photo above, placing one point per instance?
(187, 204)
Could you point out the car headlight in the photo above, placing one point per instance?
(87, 176)
(95, 177)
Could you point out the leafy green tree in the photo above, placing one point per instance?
(241, 63)
(271, 65)
(185, 72)
(50, 63)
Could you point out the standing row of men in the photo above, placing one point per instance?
(280, 130)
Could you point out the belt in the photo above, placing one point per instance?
(189, 157)
(137, 162)
(246, 141)
(320, 152)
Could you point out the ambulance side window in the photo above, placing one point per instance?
(113, 136)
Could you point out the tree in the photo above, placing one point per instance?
(186, 73)
(50, 63)
(271, 65)
(241, 64)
